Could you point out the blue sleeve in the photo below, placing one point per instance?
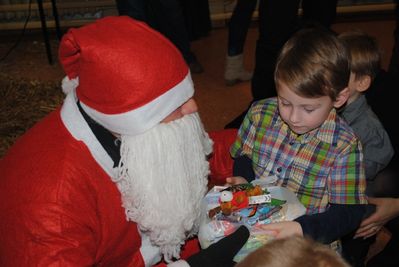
(334, 223)
(243, 167)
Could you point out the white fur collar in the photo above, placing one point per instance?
(77, 126)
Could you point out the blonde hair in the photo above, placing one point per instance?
(365, 55)
(293, 252)
(313, 63)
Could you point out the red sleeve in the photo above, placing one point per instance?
(190, 248)
(220, 162)
(44, 235)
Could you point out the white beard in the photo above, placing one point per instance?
(163, 176)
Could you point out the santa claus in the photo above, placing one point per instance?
(115, 176)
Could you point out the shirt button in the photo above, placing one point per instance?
(279, 169)
(117, 142)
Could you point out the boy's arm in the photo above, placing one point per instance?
(337, 221)
(242, 171)
(242, 166)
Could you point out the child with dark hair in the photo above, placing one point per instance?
(377, 148)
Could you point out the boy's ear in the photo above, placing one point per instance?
(363, 83)
(342, 98)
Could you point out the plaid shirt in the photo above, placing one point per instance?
(321, 167)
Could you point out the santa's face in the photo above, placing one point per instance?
(163, 177)
(189, 107)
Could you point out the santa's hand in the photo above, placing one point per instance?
(283, 229)
(235, 180)
(221, 253)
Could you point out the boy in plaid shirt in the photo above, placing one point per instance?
(299, 137)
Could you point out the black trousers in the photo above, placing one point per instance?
(278, 20)
(389, 256)
(173, 18)
(355, 251)
(238, 26)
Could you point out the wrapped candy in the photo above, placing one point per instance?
(226, 208)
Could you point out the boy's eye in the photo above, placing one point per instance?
(309, 110)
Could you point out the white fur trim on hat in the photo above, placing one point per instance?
(139, 120)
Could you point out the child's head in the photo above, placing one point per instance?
(312, 75)
(292, 252)
(365, 60)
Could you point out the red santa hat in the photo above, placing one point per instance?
(127, 76)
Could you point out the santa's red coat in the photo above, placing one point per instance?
(58, 205)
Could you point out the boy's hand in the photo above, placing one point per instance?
(386, 209)
(235, 180)
(283, 229)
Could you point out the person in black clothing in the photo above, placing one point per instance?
(278, 20)
(238, 28)
(376, 145)
(382, 98)
(179, 20)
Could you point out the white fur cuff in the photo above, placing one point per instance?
(180, 263)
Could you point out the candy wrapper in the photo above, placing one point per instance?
(224, 209)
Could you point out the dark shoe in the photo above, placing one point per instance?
(196, 67)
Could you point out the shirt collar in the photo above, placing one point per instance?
(324, 133)
(108, 141)
(354, 110)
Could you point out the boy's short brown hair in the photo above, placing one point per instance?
(292, 252)
(365, 55)
(313, 63)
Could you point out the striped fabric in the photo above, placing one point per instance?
(323, 166)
